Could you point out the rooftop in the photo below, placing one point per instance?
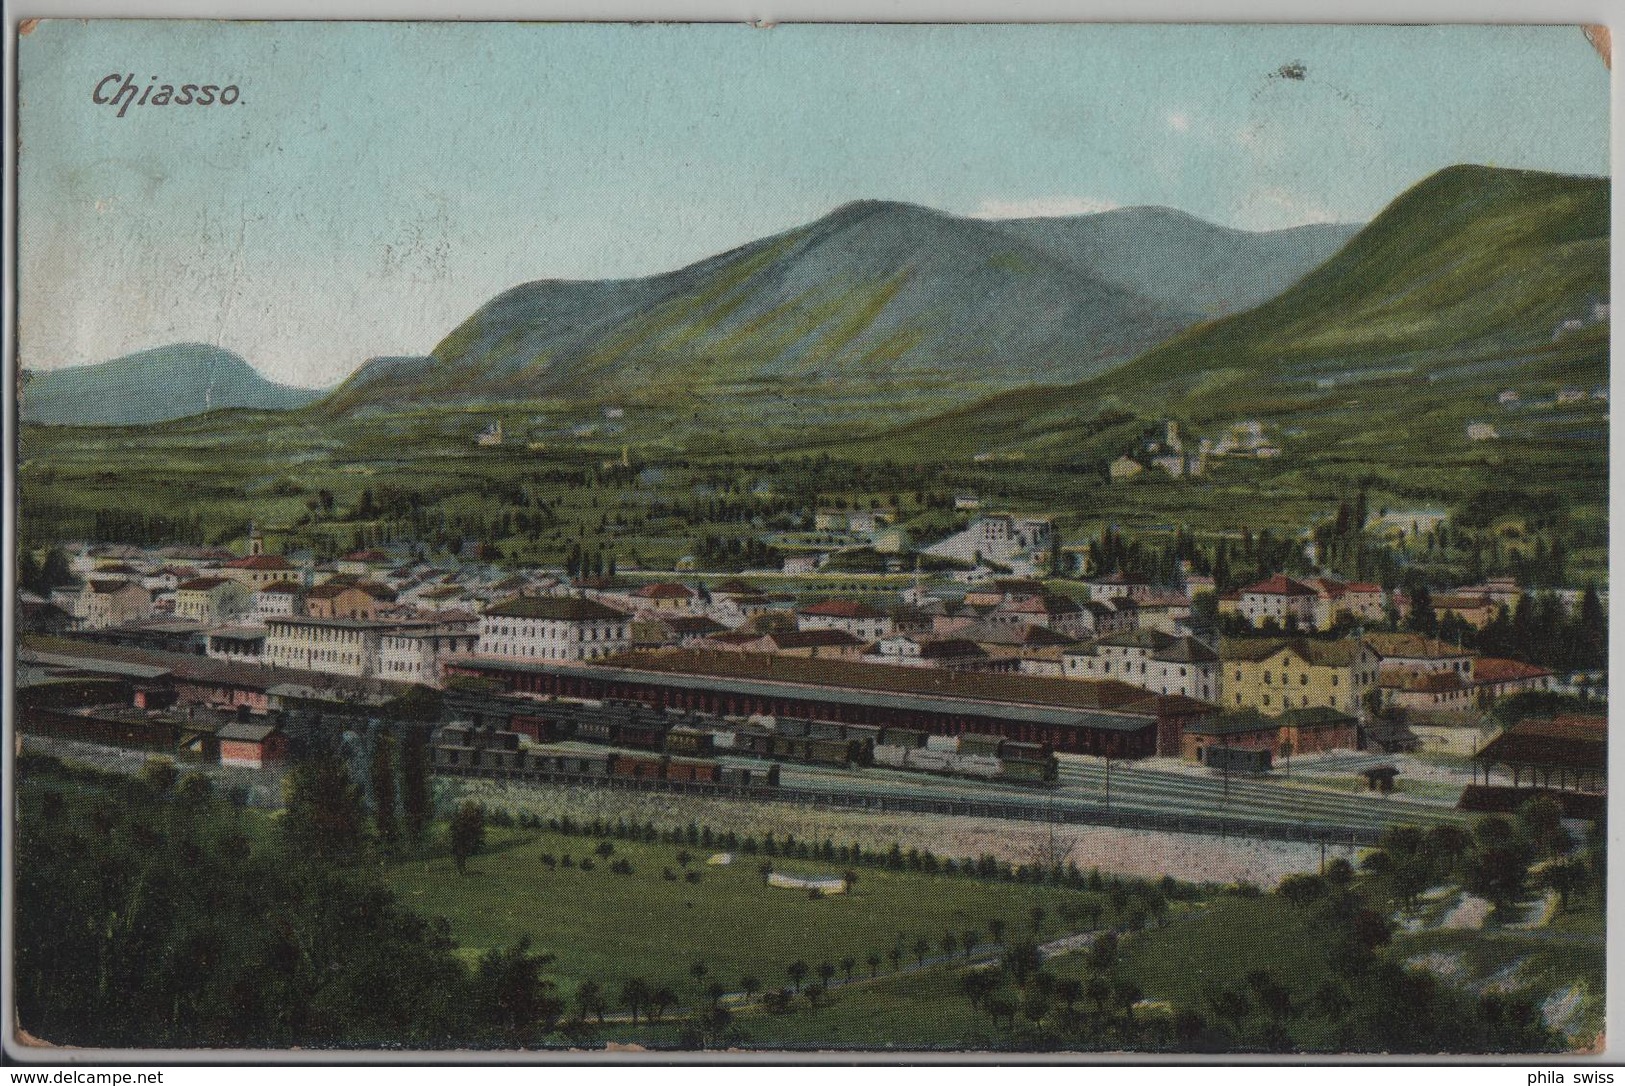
(260, 561)
(1413, 646)
(1279, 585)
(1492, 669)
(1062, 702)
(554, 609)
(1574, 742)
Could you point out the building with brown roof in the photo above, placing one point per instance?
(1091, 718)
(1279, 598)
(1565, 758)
(554, 628)
(337, 598)
(1273, 675)
(862, 620)
(1494, 677)
(260, 569)
(664, 597)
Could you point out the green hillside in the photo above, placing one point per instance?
(875, 313)
(1453, 294)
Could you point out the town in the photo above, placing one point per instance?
(966, 673)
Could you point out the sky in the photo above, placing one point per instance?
(375, 183)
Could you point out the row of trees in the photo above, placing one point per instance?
(150, 913)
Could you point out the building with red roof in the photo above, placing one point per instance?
(1286, 601)
(1496, 678)
(861, 620)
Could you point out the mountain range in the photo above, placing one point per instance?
(156, 385)
(885, 300)
(1476, 280)
(911, 323)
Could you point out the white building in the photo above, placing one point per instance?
(1151, 660)
(1280, 598)
(276, 600)
(859, 619)
(338, 646)
(418, 656)
(554, 628)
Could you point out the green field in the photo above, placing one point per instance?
(609, 927)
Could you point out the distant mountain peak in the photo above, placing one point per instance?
(154, 385)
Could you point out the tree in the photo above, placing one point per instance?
(56, 571)
(922, 947)
(750, 985)
(661, 1000)
(1069, 990)
(849, 880)
(873, 962)
(383, 786)
(159, 774)
(635, 994)
(969, 940)
(467, 834)
(848, 963)
(978, 984)
(796, 971)
(322, 816)
(1541, 819)
(1563, 878)
(1099, 990)
(590, 1000)
(28, 572)
(826, 972)
(1000, 1008)
(948, 944)
(511, 992)
(996, 927)
(417, 796)
(1498, 872)
(896, 956)
(1103, 954)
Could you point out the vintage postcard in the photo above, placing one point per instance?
(565, 538)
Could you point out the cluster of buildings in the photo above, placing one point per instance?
(1319, 603)
(371, 617)
(1173, 456)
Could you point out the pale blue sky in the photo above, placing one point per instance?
(377, 182)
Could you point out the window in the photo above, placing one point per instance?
(1303, 680)
(1266, 678)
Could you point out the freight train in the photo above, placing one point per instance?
(678, 735)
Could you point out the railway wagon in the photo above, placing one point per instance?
(575, 763)
(689, 740)
(736, 776)
(901, 737)
(1238, 759)
(973, 743)
(112, 731)
(1024, 772)
(692, 770)
(636, 767)
(1014, 751)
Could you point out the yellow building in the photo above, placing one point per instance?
(1273, 675)
(212, 599)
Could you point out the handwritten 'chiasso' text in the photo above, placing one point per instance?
(121, 90)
